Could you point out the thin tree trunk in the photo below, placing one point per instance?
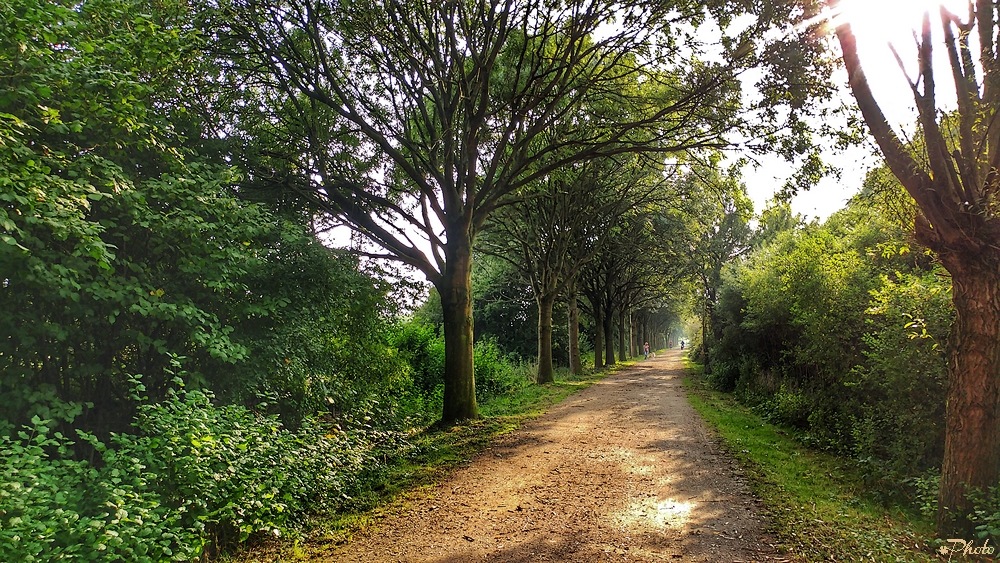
(972, 428)
(704, 335)
(575, 363)
(545, 373)
(622, 352)
(609, 336)
(631, 336)
(598, 336)
(456, 305)
(643, 333)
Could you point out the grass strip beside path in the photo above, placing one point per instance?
(818, 511)
(435, 454)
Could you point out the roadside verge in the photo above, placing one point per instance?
(818, 510)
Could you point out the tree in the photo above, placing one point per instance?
(115, 252)
(504, 307)
(724, 233)
(631, 271)
(955, 185)
(553, 233)
(413, 121)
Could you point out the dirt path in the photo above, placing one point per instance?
(622, 471)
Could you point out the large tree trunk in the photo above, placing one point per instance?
(609, 336)
(456, 305)
(622, 352)
(972, 428)
(575, 363)
(545, 374)
(957, 221)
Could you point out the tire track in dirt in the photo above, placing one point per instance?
(625, 470)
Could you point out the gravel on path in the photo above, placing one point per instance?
(624, 470)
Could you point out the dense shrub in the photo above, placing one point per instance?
(121, 246)
(193, 476)
(838, 330)
(505, 309)
(421, 345)
(497, 374)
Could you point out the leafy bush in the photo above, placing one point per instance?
(838, 330)
(987, 514)
(422, 348)
(194, 476)
(724, 375)
(496, 374)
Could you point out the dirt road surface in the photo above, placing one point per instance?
(625, 470)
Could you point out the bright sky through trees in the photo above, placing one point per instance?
(876, 23)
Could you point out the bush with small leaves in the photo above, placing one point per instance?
(193, 477)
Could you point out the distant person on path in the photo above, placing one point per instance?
(645, 351)
(682, 344)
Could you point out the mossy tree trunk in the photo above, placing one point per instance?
(609, 335)
(622, 335)
(545, 372)
(455, 288)
(575, 363)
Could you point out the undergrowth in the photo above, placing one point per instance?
(435, 452)
(818, 510)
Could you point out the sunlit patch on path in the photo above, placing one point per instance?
(622, 471)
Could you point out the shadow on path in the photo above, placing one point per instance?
(622, 471)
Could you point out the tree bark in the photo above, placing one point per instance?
(643, 331)
(456, 303)
(598, 336)
(609, 336)
(972, 428)
(632, 344)
(575, 363)
(545, 372)
(622, 352)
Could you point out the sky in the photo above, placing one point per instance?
(875, 24)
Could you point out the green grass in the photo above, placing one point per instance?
(818, 510)
(436, 452)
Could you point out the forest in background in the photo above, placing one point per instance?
(184, 366)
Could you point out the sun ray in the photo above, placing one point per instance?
(886, 44)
